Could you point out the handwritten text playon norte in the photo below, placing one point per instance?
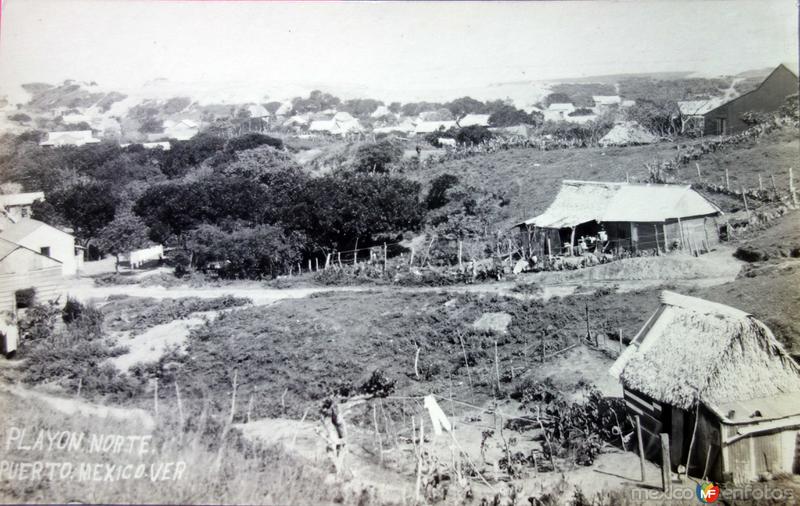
(63, 443)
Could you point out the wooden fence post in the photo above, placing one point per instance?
(620, 341)
(792, 194)
(641, 445)
(666, 468)
(727, 180)
(384, 257)
(699, 176)
(760, 184)
(774, 186)
(746, 207)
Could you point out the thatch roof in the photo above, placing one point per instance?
(584, 201)
(628, 133)
(694, 350)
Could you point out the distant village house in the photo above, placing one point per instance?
(76, 138)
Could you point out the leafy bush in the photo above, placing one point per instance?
(474, 134)
(252, 140)
(88, 316)
(377, 156)
(437, 195)
(263, 251)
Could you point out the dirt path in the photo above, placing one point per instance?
(70, 407)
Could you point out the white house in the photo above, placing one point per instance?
(181, 130)
(474, 120)
(257, 111)
(76, 138)
(25, 274)
(342, 123)
(48, 241)
(426, 127)
(17, 206)
(558, 111)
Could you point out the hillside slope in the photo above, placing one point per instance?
(531, 178)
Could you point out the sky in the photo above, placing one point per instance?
(384, 47)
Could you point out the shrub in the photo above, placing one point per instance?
(87, 316)
(252, 140)
(473, 135)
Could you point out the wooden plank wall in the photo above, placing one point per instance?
(48, 282)
(652, 417)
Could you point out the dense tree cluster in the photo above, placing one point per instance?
(242, 205)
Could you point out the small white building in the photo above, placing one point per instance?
(76, 138)
(474, 120)
(17, 206)
(558, 112)
(181, 130)
(48, 241)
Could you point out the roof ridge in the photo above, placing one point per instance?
(697, 304)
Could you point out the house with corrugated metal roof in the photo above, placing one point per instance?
(719, 384)
(603, 217)
(27, 276)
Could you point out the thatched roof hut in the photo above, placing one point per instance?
(696, 350)
(720, 366)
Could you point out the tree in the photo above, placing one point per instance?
(272, 107)
(125, 233)
(86, 207)
(437, 195)
(189, 153)
(316, 101)
(557, 98)
(465, 105)
(246, 252)
(661, 117)
(361, 107)
(341, 209)
(377, 156)
(20, 118)
(151, 126)
(507, 115)
(173, 209)
(252, 140)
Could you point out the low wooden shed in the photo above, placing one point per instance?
(631, 217)
(718, 382)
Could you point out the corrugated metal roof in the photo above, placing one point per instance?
(583, 201)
